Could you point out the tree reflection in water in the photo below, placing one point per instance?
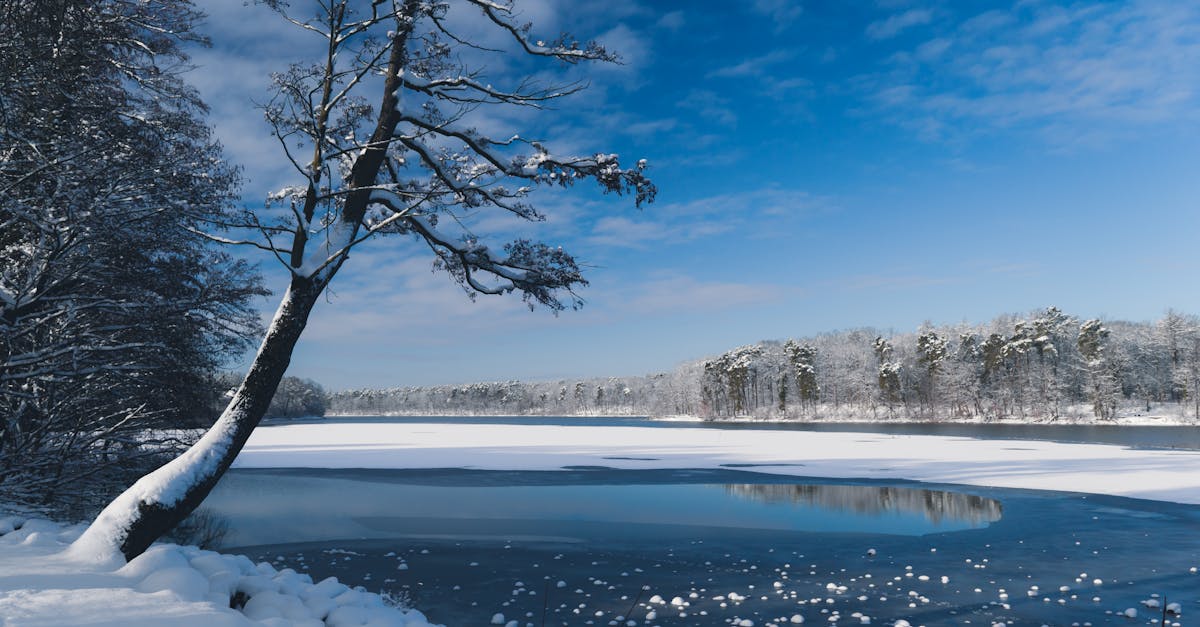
(936, 505)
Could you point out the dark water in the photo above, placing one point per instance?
(585, 547)
(1138, 437)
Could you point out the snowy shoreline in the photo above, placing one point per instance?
(1157, 420)
(1166, 475)
(42, 585)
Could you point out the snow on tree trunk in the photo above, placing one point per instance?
(161, 499)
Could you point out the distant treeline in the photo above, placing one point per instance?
(1044, 366)
(294, 398)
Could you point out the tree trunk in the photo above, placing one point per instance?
(163, 498)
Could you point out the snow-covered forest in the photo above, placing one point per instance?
(1044, 366)
(114, 315)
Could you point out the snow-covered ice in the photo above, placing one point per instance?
(1168, 475)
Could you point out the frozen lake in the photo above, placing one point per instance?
(598, 521)
(584, 546)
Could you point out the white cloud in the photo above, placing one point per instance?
(620, 231)
(750, 214)
(755, 66)
(233, 76)
(650, 127)
(932, 49)
(711, 105)
(631, 46)
(678, 294)
(1078, 75)
(895, 24)
(782, 12)
(390, 294)
(672, 21)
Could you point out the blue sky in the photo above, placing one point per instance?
(822, 165)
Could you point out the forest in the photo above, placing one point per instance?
(115, 317)
(1044, 366)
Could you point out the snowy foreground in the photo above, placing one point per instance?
(1167, 475)
(167, 585)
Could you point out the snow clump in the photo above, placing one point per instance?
(190, 585)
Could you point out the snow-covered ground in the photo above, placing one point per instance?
(1168, 475)
(168, 585)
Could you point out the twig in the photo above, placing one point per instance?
(635, 602)
(545, 602)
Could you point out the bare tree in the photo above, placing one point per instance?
(407, 167)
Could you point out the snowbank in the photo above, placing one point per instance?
(168, 584)
(1168, 475)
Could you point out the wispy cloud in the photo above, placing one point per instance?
(395, 296)
(755, 66)
(782, 12)
(651, 127)
(672, 21)
(751, 214)
(711, 105)
(895, 24)
(620, 231)
(1077, 74)
(677, 294)
(632, 46)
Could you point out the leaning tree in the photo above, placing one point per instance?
(408, 166)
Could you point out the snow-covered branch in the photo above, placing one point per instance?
(536, 270)
(564, 48)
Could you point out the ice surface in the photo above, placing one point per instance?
(1168, 475)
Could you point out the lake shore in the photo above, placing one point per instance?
(1166, 475)
(1127, 420)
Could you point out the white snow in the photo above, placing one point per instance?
(1168, 475)
(42, 584)
(165, 485)
(335, 241)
